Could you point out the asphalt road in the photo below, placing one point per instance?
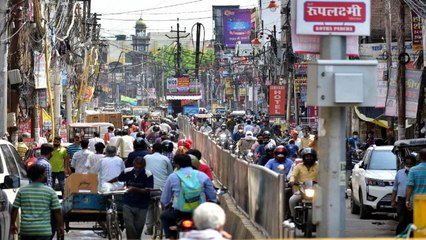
(380, 225)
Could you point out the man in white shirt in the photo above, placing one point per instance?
(125, 146)
(95, 140)
(109, 167)
(79, 158)
(93, 159)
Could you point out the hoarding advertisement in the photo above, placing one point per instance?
(183, 88)
(416, 31)
(331, 17)
(236, 26)
(277, 99)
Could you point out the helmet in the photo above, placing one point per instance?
(167, 146)
(309, 151)
(156, 128)
(280, 150)
(267, 134)
(270, 147)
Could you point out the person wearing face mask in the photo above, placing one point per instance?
(59, 163)
(308, 171)
(221, 130)
(354, 140)
(239, 134)
(136, 200)
(280, 162)
(405, 215)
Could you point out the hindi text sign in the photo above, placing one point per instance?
(332, 17)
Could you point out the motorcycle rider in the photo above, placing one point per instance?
(280, 161)
(206, 128)
(308, 171)
(239, 134)
(269, 154)
(246, 142)
(221, 130)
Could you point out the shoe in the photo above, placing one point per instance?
(148, 231)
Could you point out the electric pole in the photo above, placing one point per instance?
(400, 78)
(178, 47)
(3, 67)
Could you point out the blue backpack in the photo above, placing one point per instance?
(190, 191)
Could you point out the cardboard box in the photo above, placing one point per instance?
(81, 183)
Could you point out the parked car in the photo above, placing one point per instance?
(11, 169)
(372, 181)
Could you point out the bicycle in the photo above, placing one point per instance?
(157, 228)
(112, 225)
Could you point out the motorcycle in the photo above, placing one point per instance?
(303, 211)
(248, 155)
(225, 141)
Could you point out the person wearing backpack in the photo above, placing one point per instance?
(185, 189)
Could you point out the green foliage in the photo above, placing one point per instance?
(168, 54)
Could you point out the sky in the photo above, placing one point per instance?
(119, 17)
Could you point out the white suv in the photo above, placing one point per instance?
(372, 181)
(11, 168)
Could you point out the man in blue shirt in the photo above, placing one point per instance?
(171, 192)
(416, 180)
(280, 163)
(136, 200)
(405, 216)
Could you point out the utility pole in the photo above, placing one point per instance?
(388, 33)
(178, 47)
(400, 86)
(3, 67)
(421, 104)
(332, 135)
(197, 57)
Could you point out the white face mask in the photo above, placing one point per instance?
(355, 136)
(407, 168)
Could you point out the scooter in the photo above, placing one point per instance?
(303, 211)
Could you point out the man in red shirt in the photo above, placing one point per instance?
(196, 157)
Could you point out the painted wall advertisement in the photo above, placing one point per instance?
(412, 84)
(236, 26)
(277, 99)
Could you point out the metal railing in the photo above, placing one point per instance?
(256, 190)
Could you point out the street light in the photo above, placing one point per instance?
(273, 6)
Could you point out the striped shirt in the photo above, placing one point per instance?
(73, 149)
(36, 200)
(417, 179)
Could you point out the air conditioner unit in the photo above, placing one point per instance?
(14, 76)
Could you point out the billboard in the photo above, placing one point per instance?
(277, 99)
(236, 26)
(333, 17)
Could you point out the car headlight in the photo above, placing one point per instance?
(375, 182)
(309, 192)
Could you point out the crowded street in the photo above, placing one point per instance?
(224, 119)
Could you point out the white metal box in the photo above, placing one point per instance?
(334, 83)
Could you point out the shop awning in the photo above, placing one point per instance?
(183, 97)
(371, 115)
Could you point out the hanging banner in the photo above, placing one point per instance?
(40, 79)
(416, 31)
(88, 94)
(47, 120)
(132, 101)
(236, 26)
(412, 87)
(277, 99)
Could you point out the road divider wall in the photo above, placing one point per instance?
(258, 191)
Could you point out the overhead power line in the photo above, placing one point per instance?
(156, 20)
(150, 9)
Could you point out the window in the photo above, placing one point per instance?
(9, 160)
(382, 160)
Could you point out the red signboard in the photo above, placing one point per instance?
(335, 11)
(277, 99)
(416, 31)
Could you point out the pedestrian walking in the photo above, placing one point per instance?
(59, 162)
(405, 215)
(416, 180)
(79, 159)
(36, 201)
